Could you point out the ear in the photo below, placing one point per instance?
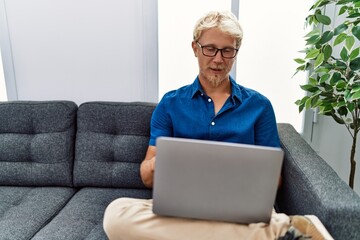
(194, 47)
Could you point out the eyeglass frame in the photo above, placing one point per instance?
(217, 50)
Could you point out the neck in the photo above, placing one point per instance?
(218, 94)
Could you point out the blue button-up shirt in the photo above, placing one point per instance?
(247, 117)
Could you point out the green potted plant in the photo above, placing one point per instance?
(332, 57)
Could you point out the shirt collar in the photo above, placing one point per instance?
(235, 89)
(196, 88)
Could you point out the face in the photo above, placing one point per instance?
(214, 70)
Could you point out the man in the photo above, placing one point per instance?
(216, 108)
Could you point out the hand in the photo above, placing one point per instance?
(152, 164)
(147, 169)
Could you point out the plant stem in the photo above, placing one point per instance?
(352, 160)
(353, 147)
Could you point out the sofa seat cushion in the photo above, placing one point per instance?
(111, 141)
(25, 210)
(82, 217)
(37, 143)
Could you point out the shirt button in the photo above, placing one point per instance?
(212, 123)
(202, 94)
(209, 100)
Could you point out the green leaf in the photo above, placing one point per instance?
(355, 64)
(356, 31)
(309, 88)
(344, 54)
(319, 60)
(312, 54)
(340, 85)
(341, 104)
(341, 28)
(314, 32)
(349, 42)
(314, 101)
(321, 70)
(354, 53)
(301, 107)
(342, 10)
(342, 2)
(301, 103)
(308, 104)
(325, 109)
(335, 78)
(355, 88)
(317, 4)
(323, 19)
(351, 106)
(317, 103)
(327, 36)
(313, 39)
(324, 78)
(309, 20)
(340, 65)
(327, 50)
(304, 99)
(312, 81)
(355, 96)
(357, 4)
(301, 68)
(354, 15)
(299, 60)
(340, 38)
(342, 111)
(347, 95)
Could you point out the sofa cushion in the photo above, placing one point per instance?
(112, 139)
(82, 217)
(25, 210)
(37, 143)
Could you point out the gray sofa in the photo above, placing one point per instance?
(62, 164)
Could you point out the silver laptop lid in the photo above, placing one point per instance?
(215, 180)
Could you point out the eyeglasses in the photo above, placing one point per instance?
(211, 51)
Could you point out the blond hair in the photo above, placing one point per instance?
(224, 20)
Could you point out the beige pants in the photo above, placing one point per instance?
(128, 218)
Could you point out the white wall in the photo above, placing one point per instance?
(82, 50)
(273, 36)
(3, 95)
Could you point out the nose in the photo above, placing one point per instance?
(218, 57)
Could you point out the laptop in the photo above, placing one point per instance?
(217, 181)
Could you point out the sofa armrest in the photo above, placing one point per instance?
(311, 186)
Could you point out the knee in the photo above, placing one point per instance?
(114, 221)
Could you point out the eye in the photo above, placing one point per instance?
(228, 50)
(210, 49)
